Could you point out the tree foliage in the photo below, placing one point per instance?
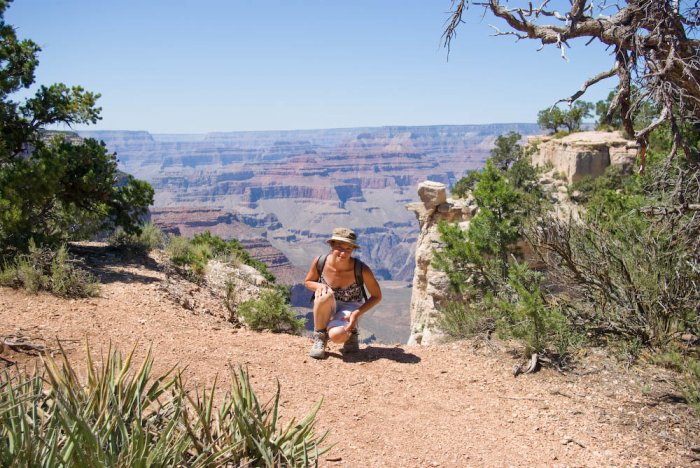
(54, 187)
(554, 117)
(492, 289)
(611, 119)
(465, 185)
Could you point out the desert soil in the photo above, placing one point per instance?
(390, 405)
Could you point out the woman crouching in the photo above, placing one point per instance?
(339, 299)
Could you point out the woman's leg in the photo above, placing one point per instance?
(338, 335)
(324, 306)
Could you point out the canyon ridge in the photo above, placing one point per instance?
(281, 193)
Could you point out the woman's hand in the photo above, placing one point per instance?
(352, 320)
(323, 290)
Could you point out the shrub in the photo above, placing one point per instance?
(43, 269)
(689, 369)
(124, 418)
(624, 277)
(194, 254)
(221, 248)
(462, 319)
(270, 312)
(150, 237)
(691, 384)
(193, 257)
(525, 314)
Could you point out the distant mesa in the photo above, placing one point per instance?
(299, 184)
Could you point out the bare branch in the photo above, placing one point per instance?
(453, 22)
(596, 79)
(498, 32)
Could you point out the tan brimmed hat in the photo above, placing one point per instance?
(345, 235)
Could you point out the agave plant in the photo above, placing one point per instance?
(122, 417)
(243, 432)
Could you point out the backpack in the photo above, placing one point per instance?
(358, 273)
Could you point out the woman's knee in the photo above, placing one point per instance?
(323, 299)
(338, 335)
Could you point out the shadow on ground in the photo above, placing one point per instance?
(107, 263)
(372, 353)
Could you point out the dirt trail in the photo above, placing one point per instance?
(452, 405)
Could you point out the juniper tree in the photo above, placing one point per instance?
(54, 187)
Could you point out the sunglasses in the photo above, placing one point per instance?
(343, 247)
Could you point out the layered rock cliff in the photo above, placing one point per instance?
(293, 187)
(584, 153)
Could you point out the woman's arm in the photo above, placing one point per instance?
(375, 292)
(375, 296)
(311, 281)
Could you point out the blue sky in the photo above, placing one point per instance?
(227, 65)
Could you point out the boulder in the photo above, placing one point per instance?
(432, 193)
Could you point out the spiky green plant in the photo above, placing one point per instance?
(244, 432)
(124, 417)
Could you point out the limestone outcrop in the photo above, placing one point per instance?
(584, 153)
(429, 284)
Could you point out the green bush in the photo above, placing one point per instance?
(119, 417)
(232, 249)
(193, 257)
(270, 312)
(689, 369)
(691, 384)
(525, 314)
(462, 319)
(43, 269)
(150, 237)
(194, 254)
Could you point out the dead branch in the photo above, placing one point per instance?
(654, 43)
(22, 344)
(596, 79)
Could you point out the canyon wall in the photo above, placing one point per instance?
(584, 153)
(292, 187)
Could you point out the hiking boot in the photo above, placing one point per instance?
(353, 343)
(318, 348)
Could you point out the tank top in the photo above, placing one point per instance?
(352, 293)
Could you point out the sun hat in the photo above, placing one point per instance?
(345, 235)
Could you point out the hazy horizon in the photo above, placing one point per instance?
(289, 130)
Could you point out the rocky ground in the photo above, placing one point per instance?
(450, 405)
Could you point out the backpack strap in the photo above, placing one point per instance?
(358, 277)
(320, 263)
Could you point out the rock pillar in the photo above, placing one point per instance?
(429, 284)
